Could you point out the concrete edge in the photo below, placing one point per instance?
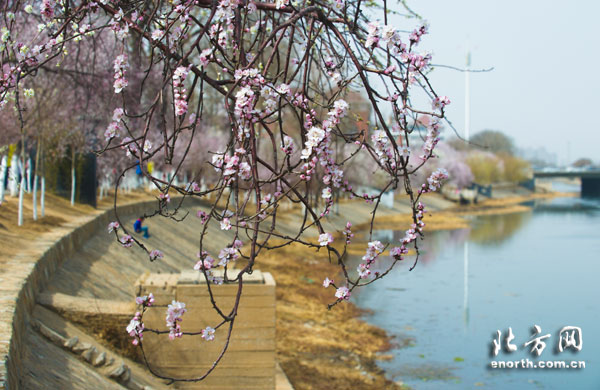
(29, 273)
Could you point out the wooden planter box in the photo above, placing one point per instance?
(249, 362)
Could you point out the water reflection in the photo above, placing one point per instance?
(506, 271)
(486, 230)
(495, 229)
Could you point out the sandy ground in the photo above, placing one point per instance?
(315, 346)
(59, 213)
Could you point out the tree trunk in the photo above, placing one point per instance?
(43, 194)
(3, 171)
(73, 178)
(13, 175)
(35, 181)
(28, 171)
(22, 187)
(21, 193)
(43, 198)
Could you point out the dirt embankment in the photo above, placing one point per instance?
(336, 347)
(317, 348)
(320, 348)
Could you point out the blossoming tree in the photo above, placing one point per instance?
(279, 73)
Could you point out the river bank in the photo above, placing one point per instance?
(338, 346)
(315, 346)
(504, 271)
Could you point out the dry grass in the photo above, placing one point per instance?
(316, 346)
(59, 213)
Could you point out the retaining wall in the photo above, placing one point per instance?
(25, 276)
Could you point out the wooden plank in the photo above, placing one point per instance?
(195, 320)
(249, 362)
(199, 318)
(196, 277)
(225, 302)
(156, 320)
(250, 318)
(174, 357)
(226, 289)
(156, 344)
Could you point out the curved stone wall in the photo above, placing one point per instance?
(27, 275)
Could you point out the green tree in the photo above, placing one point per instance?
(493, 141)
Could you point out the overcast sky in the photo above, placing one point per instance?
(545, 88)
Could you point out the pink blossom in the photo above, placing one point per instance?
(373, 31)
(113, 226)
(327, 282)
(284, 89)
(174, 313)
(135, 328)
(363, 271)
(208, 333)
(126, 241)
(118, 114)
(390, 69)
(206, 262)
(111, 131)
(225, 224)
(434, 181)
(217, 161)
(164, 197)
(146, 300)
(205, 57)
(325, 239)
(202, 215)
(348, 233)
(156, 254)
(245, 171)
(180, 98)
(288, 144)
(47, 9)
(157, 35)
(440, 102)
(147, 146)
(281, 3)
(120, 68)
(227, 254)
(342, 293)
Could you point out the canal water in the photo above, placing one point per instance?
(540, 267)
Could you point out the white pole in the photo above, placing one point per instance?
(43, 198)
(34, 197)
(21, 192)
(3, 171)
(466, 244)
(28, 188)
(468, 98)
(73, 178)
(466, 282)
(13, 176)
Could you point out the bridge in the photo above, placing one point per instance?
(590, 179)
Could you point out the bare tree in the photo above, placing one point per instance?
(274, 77)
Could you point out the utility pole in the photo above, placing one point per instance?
(466, 243)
